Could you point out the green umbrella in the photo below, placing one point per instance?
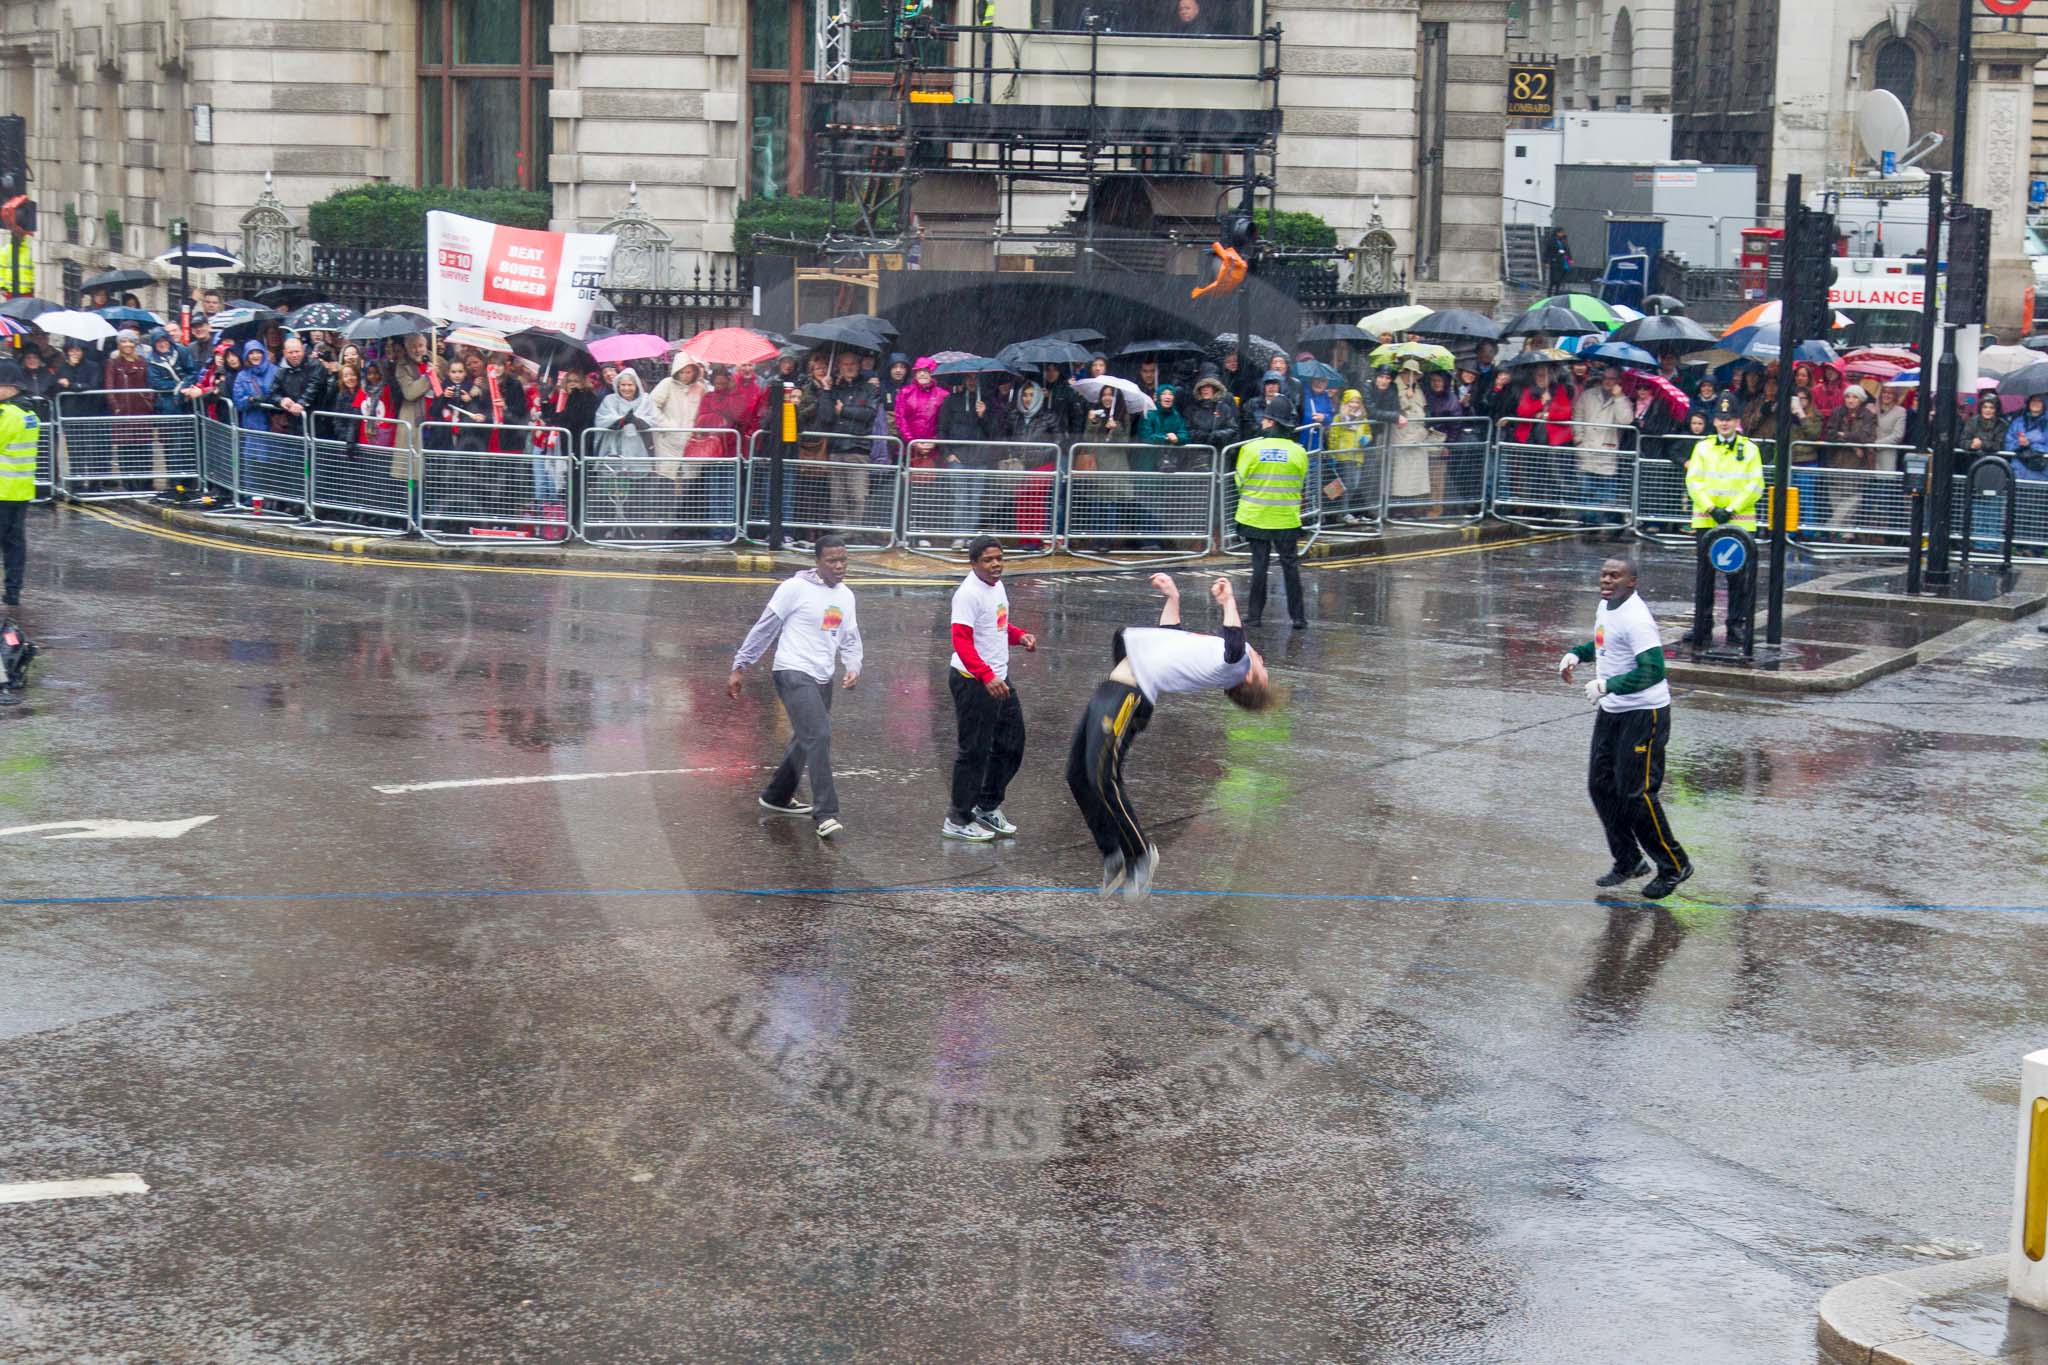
(1430, 357)
(1586, 306)
(1396, 319)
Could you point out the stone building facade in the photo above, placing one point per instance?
(142, 113)
(1609, 55)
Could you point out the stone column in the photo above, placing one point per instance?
(1995, 166)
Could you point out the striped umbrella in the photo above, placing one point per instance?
(478, 338)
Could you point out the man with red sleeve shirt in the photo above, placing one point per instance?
(990, 718)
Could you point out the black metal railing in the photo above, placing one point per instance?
(363, 279)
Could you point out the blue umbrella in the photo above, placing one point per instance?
(140, 315)
(1621, 353)
(1817, 353)
(199, 256)
(1306, 370)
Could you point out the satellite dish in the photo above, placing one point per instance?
(1882, 125)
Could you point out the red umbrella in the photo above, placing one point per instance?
(1875, 367)
(729, 346)
(1905, 356)
(1675, 401)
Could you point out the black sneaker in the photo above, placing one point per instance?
(1666, 883)
(793, 806)
(1615, 876)
(12, 599)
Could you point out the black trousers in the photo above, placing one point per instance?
(1623, 776)
(13, 543)
(1095, 767)
(1263, 543)
(991, 746)
(1740, 587)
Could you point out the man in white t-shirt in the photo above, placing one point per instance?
(985, 706)
(1151, 662)
(1629, 733)
(812, 614)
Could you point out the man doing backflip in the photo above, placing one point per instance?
(1150, 662)
(1629, 733)
(812, 614)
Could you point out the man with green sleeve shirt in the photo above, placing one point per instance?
(1626, 767)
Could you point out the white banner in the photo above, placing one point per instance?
(508, 278)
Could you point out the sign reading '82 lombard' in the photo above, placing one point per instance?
(1531, 91)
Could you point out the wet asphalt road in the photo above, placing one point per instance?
(622, 1069)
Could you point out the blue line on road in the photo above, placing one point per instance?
(1416, 898)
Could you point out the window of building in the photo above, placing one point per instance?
(485, 71)
(1898, 68)
(785, 105)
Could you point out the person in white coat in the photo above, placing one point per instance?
(676, 399)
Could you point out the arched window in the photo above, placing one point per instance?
(485, 71)
(1898, 67)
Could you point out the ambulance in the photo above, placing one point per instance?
(1884, 298)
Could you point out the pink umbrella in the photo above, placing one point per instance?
(729, 346)
(617, 350)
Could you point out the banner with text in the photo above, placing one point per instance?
(508, 278)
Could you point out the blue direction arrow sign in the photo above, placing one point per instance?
(1728, 554)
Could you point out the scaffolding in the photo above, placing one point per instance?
(1072, 107)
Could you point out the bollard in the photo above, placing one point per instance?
(2027, 1265)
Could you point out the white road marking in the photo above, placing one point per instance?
(34, 1191)
(401, 788)
(114, 829)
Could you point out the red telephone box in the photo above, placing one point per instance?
(1762, 262)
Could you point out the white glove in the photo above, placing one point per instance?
(1566, 664)
(1595, 690)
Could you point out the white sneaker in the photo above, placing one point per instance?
(1113, 871)
(996, 821)
(1142, 872)
(828, 827)
(973, 831)
(924, 545)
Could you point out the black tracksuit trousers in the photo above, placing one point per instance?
(1095, 767)
(1623, 775)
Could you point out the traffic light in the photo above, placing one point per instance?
(18, 212)
(1969, 265)
(1809, 273)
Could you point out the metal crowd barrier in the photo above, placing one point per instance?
(1850, 509)
(1007, 489)
(833, 496)
(272, 470)
(637, 497)
(366, 480)
(1140, 516)
(1541, 485)
(1233, 543)
(469, 495)
(1360, 512)
(108, 457)
(1453, 459)
(46, 446)
(220, 460)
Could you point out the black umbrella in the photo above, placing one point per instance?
(1656, 304)
(2036, 342)
(880, 326)
(385, 326)
(28, 309)
(971, 364)
(290, 295)
(2025, 382)
(1550, 320)
(1080, 336)
(1335, 331)
(1152, 347)
(321, 317)
(598, 332)
(1665, 332)
(551, 350)
(1045, 351)
(852, 336)
(242, 324)
(118, 279)
(199, 256)
(1458, 322)
(1543, 356)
